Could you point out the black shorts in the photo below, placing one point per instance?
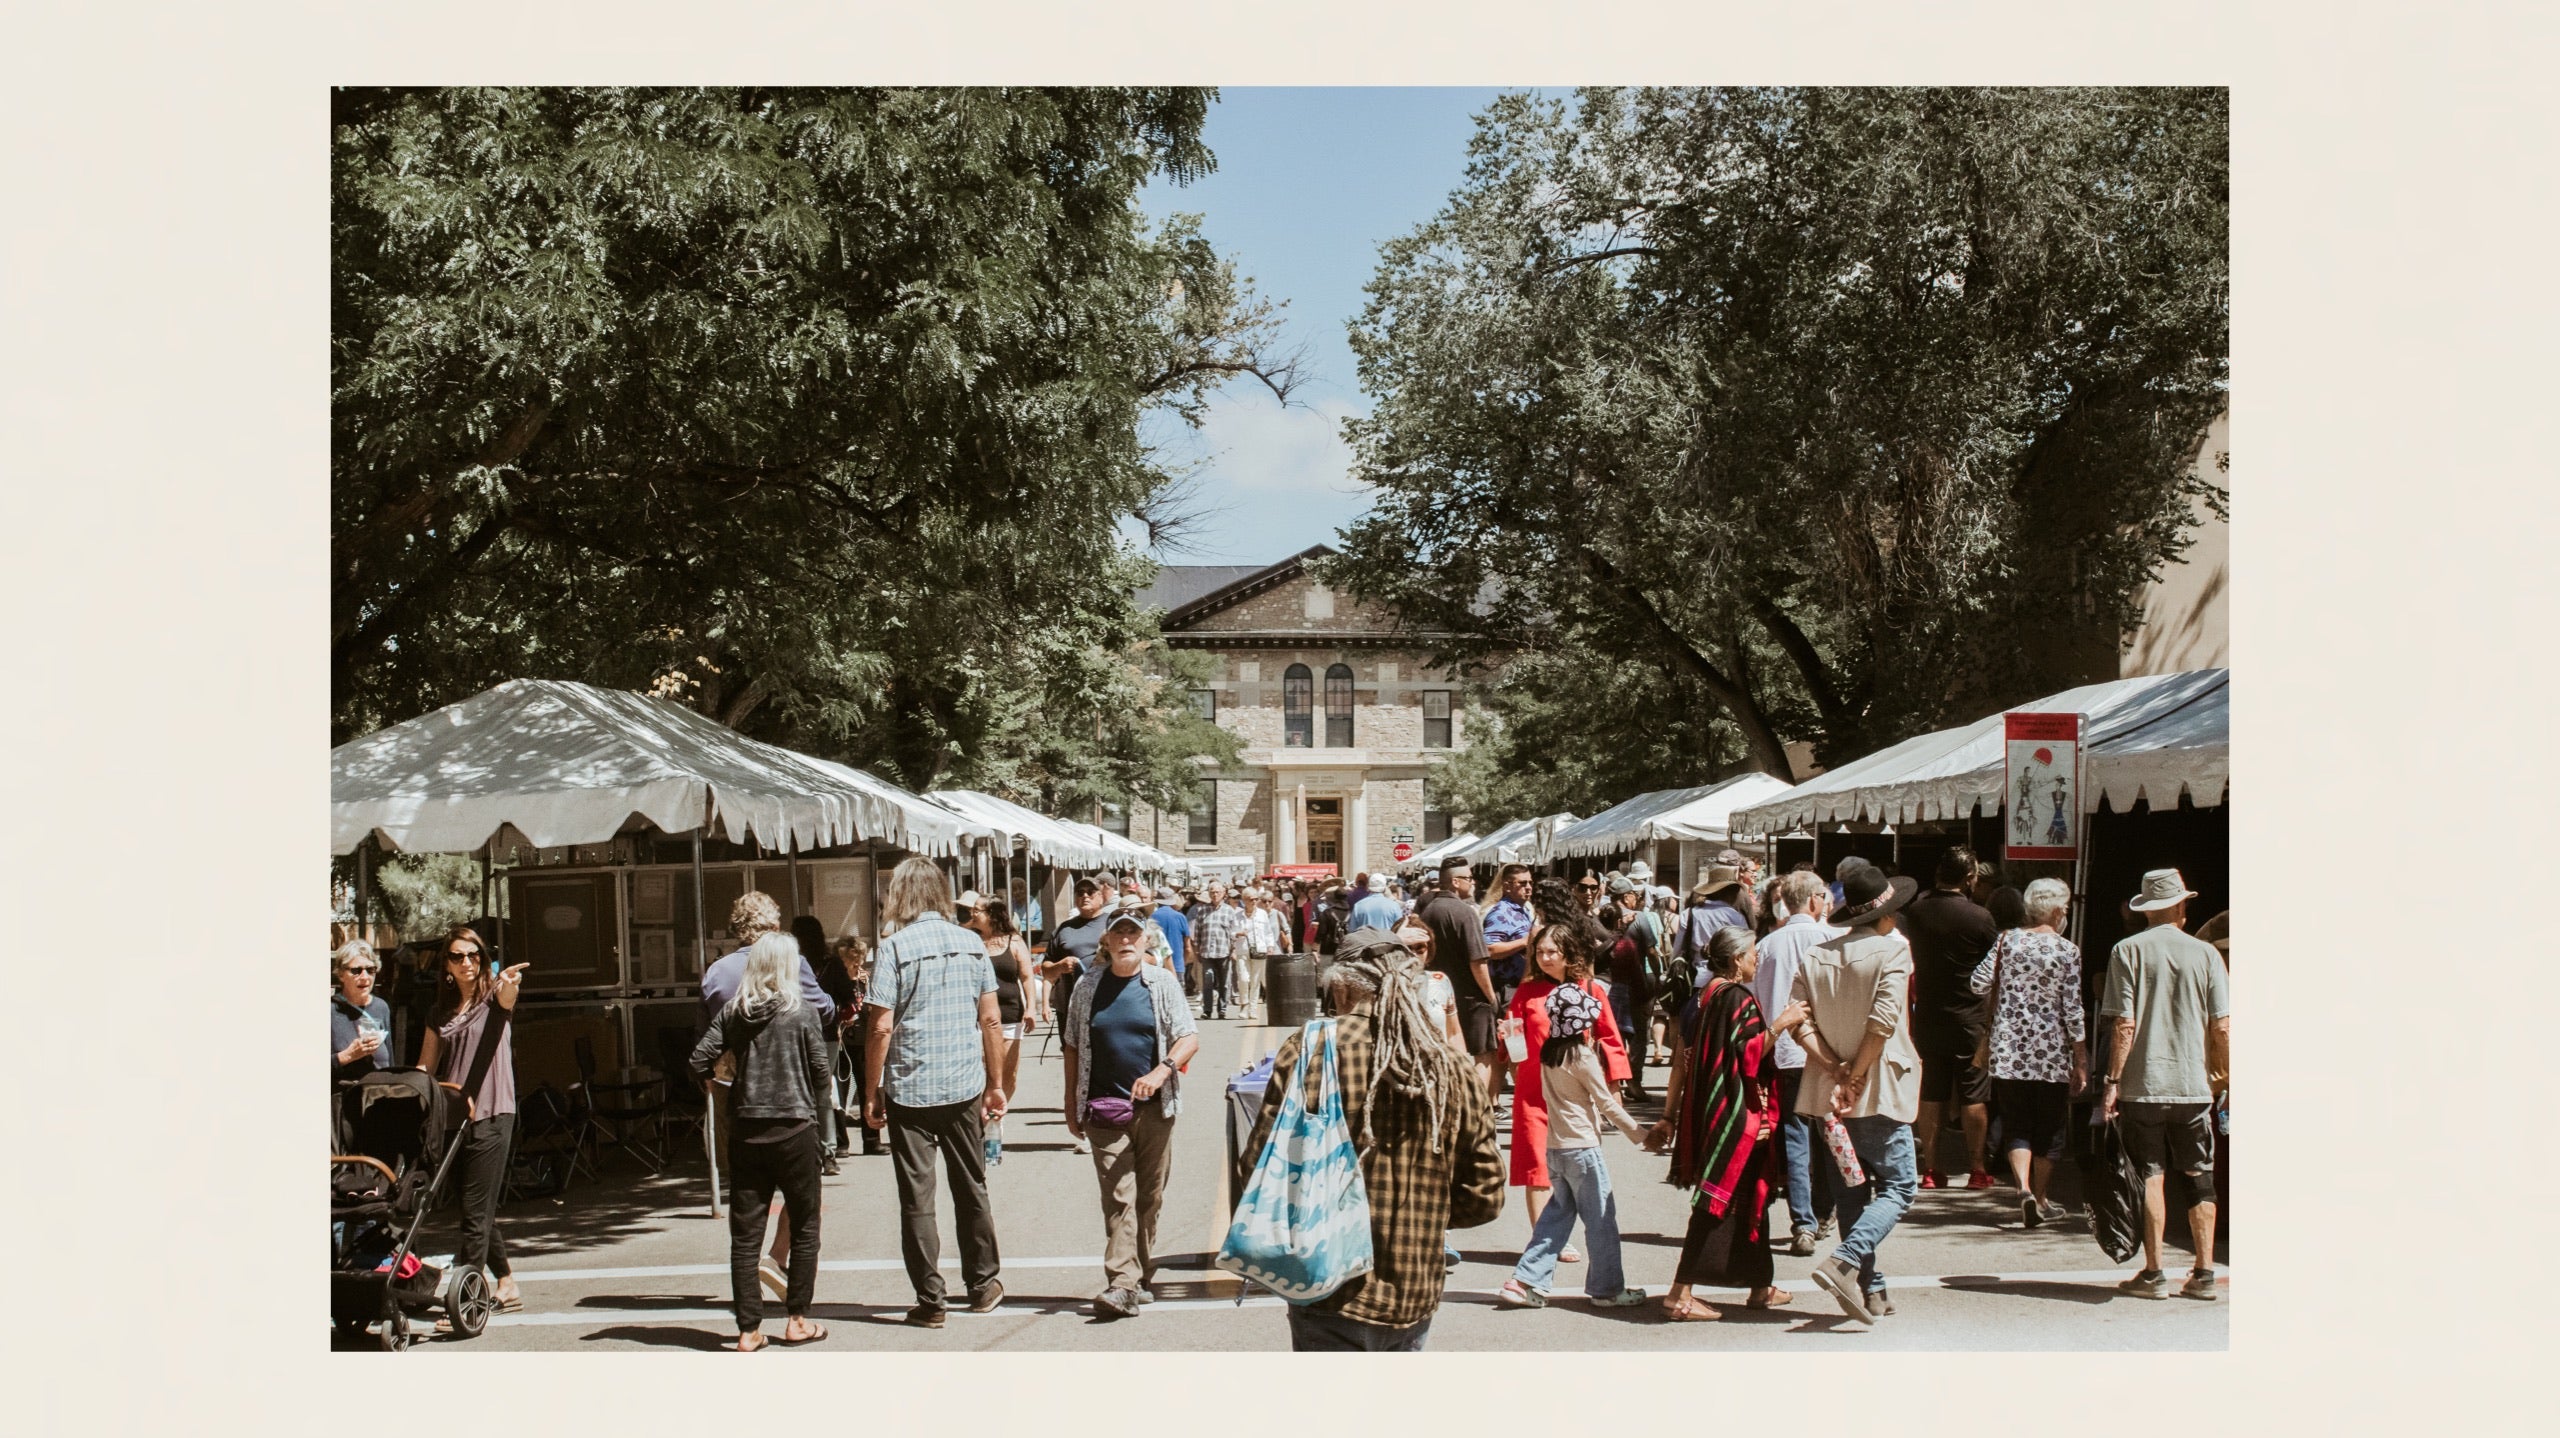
(2160, 1136)
(1951, 1072)
(2034, 1115)
(1476, 1021)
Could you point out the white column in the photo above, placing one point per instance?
(1284, 833)
(1355, 843)
(1298, 821)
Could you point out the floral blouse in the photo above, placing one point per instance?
(2039, 1015)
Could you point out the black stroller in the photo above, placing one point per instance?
(395, 1134)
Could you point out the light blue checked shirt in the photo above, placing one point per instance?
(929, 976)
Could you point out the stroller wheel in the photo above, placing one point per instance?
(468, 1302)
(395, 1334)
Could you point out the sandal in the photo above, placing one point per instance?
(1571, 1254)
(1689, 1310)
(743, 1346)
(1770, 1298)
(1516, 1294)
(817, 1334)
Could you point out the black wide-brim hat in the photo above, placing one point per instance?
(1868, 896)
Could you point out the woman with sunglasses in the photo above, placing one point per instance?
(473, 1009)
(359, 1022)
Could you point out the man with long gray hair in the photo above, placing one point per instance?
(935, 1047)
(1428, 1156)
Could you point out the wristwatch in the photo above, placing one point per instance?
(2111, 1081)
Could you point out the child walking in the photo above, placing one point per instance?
(1579, 1102)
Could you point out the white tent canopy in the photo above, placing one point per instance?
(1045, 840)
(571, 763)
(1519, 841)
(1709, 818)
(1430, 858)
(2155, 737)
(1695, 813)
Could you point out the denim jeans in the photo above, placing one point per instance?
(1626, 1005)
(1810, 1171)
(1581, 1179)
(1870, 1210)
(1313, 1330)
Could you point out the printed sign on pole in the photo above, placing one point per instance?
(2043, 794)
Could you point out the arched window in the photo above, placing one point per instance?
(1298, 707)
(1337, 707)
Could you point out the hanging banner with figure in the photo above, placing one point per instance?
(2042, 799)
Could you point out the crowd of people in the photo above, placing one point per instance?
(1816, 1033)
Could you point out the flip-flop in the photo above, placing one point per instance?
(761, 1343)
(1780, 1299)
(509, 1305)
(817, 1334)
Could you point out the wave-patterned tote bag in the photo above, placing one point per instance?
(1302, 1229)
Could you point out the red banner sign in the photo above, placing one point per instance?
(2040, 803)
(1303, 871)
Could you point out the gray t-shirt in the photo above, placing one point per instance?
(2172, 985)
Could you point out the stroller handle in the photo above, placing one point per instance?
(470, 1110)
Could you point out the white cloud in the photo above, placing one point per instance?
(1273, 480)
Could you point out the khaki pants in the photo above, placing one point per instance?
(1249, 979)
(1132, 1164)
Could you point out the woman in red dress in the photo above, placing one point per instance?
(1559, 953)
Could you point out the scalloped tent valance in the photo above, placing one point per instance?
(2157, 737)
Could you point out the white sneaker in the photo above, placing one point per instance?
(772, 1276)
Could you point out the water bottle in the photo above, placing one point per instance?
(994, 1148)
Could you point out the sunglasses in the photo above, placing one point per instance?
(1595, 888)
(361, 969)
(452, 954)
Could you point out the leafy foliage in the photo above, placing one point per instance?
(815, 409)
(1845, 412)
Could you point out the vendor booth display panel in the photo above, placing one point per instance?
(568, 927)
(547, 1034)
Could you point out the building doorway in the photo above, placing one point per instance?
(1324, 831)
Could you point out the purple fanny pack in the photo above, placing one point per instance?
(1110, 1112)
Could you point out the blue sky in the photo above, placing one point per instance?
(1309, 182)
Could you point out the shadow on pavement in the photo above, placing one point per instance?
(700, 1340)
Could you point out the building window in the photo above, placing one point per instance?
(1204, 816)
(1435, 719)
(1115, 817)
(1204, 702)
(1337, 707)
(1298, 707)
(1435, 827)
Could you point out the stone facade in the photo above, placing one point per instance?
(1271, 803)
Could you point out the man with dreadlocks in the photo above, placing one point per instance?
(1424, 1128)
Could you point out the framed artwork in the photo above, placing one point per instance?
(653, 898)
(657, 955)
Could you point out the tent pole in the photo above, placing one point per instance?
(364, 889)
(701, 932)
(796, 909)
(488, 897)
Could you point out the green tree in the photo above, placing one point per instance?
(1535, 746)
(815, 409)
(1856, 411)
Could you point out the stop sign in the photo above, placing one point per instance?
(1403, 852)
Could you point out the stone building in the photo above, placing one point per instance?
(1340, 713)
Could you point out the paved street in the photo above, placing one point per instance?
(641, 1263)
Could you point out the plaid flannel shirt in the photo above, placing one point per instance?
(1220, 930)
(1415, 1195)
(929, 975)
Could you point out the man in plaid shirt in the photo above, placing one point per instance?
(936, 1040)
(1220, 933)
(1420, 1184)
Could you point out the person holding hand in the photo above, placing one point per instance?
(359, 1023)
(473, 1015)
(1127, 1033)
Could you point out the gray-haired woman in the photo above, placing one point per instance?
(359, 1021)
(2039, 1040)
(782, 1078)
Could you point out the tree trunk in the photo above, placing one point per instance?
(1768, 751)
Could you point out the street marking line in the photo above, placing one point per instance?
(1251, 1298)
(827, 1265)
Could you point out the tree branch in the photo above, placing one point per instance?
(1768, 751)
(1799, 648)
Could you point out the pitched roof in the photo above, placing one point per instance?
(1203, 588)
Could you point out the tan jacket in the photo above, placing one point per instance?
(1852, 986)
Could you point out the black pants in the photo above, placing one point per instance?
(959, 1132)
(1312, 1330)
(757, 1171)
(1214, 979)
(485, 1143)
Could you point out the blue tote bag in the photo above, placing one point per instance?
(1302, 1228)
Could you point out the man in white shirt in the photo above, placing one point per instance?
(1782, 952)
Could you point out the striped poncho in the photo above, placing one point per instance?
(1723, 1100)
